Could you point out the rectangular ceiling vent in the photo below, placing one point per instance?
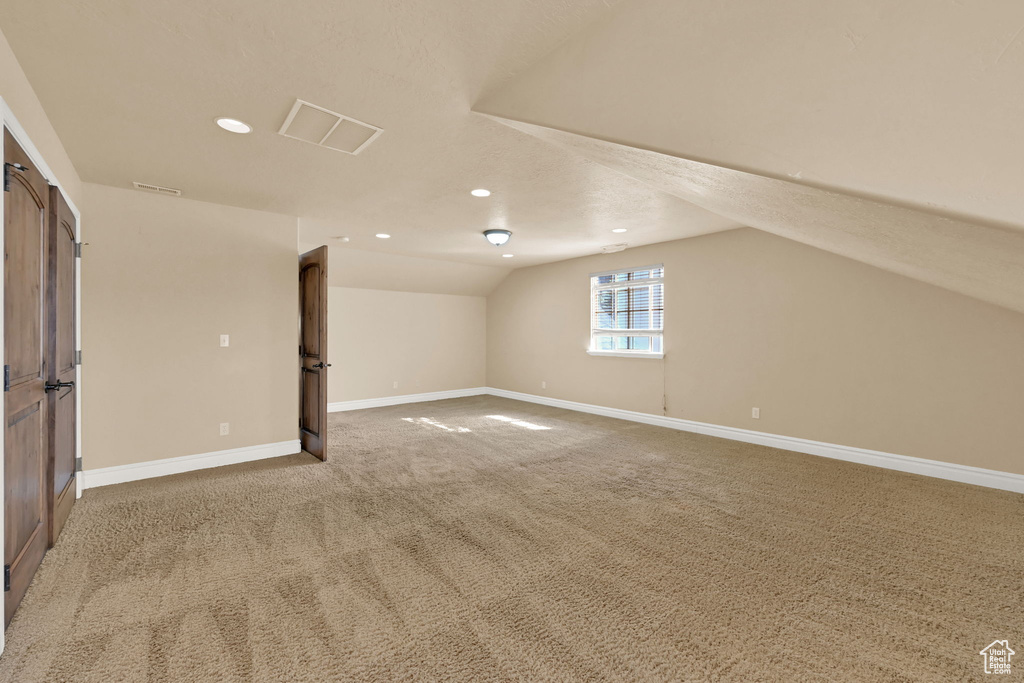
(146, 187)
(325, 128)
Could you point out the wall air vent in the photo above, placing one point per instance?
(325, 128)
(146, 187)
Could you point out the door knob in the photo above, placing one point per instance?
(322, 365)
(58, 385)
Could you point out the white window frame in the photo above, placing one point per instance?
(635, 332)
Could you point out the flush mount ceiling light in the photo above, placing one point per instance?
(507, 255)
(233, 125)
(618, 230)
(497, 237)
(481, 193)
(383, 235)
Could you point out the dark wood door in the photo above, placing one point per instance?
(26, 196)
(60, 301)
(313, 352)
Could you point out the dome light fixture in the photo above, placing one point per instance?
(618, 230)
(480, 192)
(497, 237)
(507, 255)
(233, 125)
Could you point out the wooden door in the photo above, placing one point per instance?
(60, 356)
(313, 352)
(26, 196)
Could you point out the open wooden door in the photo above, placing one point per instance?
(60, 300)
(313, 352)
(26, 199)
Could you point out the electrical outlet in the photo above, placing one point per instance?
(224, 340)
(755, 413)
(543, 385)
(396, 385)
(225, 428)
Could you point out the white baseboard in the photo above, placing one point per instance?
(105, 476)
(1006, 481)
(930, 468)
(361, 404)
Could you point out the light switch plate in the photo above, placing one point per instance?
(224, 340)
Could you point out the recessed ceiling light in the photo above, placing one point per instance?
(618, 230)
(507, 255)
(383, 235)
(481, 193)
(234, 125)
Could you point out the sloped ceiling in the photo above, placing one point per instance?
(986, 262)
(133, 88)
(886, 132)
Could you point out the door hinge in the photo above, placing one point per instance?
(7, 577)
(8, 167)
(78, 357)
(7, 378)
(78, 250)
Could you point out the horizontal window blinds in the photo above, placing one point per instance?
(628, 310)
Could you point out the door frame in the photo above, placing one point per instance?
(318, 256)
(8, 119)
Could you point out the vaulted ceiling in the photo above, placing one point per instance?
(886, 132)
(133, 89)
(983, 261)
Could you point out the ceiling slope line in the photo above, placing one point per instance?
(939, 212)
(974, 257)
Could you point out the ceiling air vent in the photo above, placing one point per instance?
(612, 248)
(146, 187)
(325, 128)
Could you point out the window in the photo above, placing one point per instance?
(627, 312)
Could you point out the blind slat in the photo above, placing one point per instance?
(627, 310)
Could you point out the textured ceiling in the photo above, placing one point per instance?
(886, 132)
(917, 100)
(132, 89)
(983, 261)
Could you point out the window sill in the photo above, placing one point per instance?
(627, 354)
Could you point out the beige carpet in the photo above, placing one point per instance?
(443, 543)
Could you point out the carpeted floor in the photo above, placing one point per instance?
(457, 540)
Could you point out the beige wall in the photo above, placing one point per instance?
(425, 342)
(829, 349)
(162, 279)
(363, 269)
(21, 98)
